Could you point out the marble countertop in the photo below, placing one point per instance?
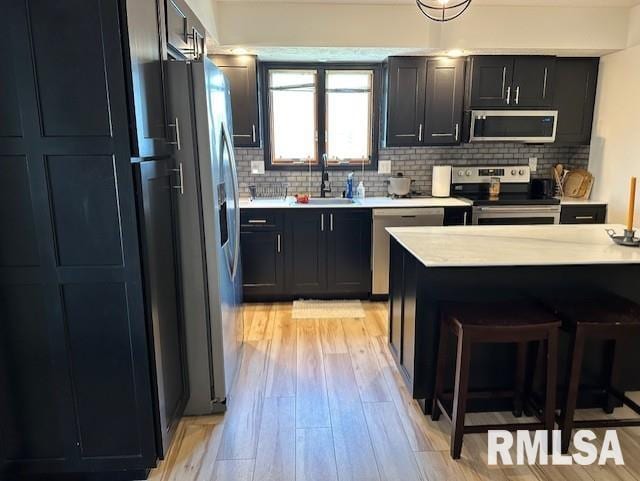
(492, 246)
(367, 203)
(570, 201)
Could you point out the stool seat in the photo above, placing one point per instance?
(504, 314)
(596, 308)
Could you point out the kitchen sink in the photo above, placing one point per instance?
(329, 201)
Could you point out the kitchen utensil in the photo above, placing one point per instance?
(399, 185)
(576, 183)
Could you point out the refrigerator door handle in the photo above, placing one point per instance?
(236, 201)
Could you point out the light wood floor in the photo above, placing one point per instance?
(322, 400)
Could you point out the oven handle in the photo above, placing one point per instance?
(518, 209)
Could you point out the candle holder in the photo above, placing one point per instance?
(629, 238)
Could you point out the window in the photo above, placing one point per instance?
(317, 110)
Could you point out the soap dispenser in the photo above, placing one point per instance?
(349, 189)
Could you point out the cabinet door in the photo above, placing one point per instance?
(159, 245)
(262, 263)
(243, 82)
(150, 136)
(445, 92)
(491, 82)
(349, 251)
(583, 214)
(533, 80)
(306, 251)
(575, 96)
(177, 28)
(405, 103)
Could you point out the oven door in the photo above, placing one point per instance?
(516, 215)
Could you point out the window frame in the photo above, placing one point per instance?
(321, 68)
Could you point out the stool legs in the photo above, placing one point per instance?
(614, 375)
(440, 367)
(521, 368)
(551, 382)
(573, 384)
(461, 389)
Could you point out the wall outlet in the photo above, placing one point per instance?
(257, 167)
(533, 163)
(384, 167)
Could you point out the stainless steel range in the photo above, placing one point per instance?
(502, 195)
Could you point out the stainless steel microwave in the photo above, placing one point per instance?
(527, 126)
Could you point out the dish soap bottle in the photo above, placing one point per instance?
(360, 190)
(349, 191)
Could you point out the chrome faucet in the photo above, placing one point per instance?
(325, 184)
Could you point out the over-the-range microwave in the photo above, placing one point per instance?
(528, 126)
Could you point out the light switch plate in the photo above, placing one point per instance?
(384, 167)
(257, 167)
(533, 163)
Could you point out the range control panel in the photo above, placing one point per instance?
(514, 174)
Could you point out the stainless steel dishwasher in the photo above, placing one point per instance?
(396, 217)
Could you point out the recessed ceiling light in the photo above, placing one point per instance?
(239, 51)
(456, 52)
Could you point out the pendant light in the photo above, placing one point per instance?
(442, 10)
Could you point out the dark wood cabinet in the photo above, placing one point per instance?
(261, 247)
(288, 253)
(575, 96)
(457, 216)
(424, 101)
(406, 86)
(185, 35)
(444, 101)
(87, 278)
(306, 251)
(583, 214)
(241, 73)
(511, 82)
(349, 252)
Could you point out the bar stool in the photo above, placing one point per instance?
(474, 323)
(603, 316)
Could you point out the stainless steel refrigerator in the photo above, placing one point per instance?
(209, 219)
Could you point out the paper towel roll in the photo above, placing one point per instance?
(441, 181)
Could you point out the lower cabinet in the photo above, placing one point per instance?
(583, 214)
(306, 252)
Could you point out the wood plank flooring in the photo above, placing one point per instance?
(322, 399)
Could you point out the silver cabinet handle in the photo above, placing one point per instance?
(544, 87)
(518, 95)
(322, 222)
(464, 220)
(331, 222)
(176, 126)
(279, 244)
(253, 132)
(257, 221)
(457, 131)
(583, 217)
(420, 133)
(180, 172)
(508, 95)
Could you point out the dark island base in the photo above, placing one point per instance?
(415, 294)
(102, 476)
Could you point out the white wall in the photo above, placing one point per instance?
(481, 28)
(205, 11)
(615, 145)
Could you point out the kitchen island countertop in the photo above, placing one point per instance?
(486, 246)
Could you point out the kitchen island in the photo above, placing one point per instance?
(434, 264)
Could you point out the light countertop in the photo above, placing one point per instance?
(367, 203)
(570, 201)
(492, 246)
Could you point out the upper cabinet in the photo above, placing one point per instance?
(444, 101)
(511, 82)
(241, 72)
(406, 100)
(425, 101)
(185, 33)
(575, 94)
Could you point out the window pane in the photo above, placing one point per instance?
(293, 116)
(349, 95)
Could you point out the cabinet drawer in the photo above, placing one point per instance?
(260, 219)
(587, 214)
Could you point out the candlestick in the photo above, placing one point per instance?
(632, 204)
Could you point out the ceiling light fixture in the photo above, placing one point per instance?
(239, 51)
(456, 52)
(443, 10)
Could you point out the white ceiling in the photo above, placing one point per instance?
(564, 3)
